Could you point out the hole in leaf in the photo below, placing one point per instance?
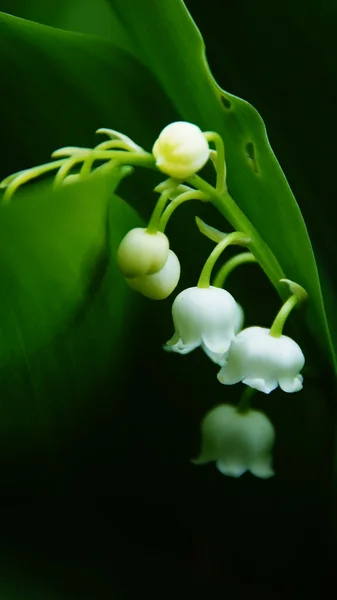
(250, 150)
(227, 103)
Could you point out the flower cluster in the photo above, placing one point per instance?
(205, 315)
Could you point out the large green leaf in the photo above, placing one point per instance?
(51, 243)
(59, 87)
(62, 304)
(171, 45)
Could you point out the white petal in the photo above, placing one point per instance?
(216, 345)
(230, 468)
(160, 285)
(205, 315)
(262, 468)
(180, 347)
(240, 317)
(230, 373)
(291, 385)
(260, 384)
(217, 358)
(261, 361)
(262, 465)
(236, 440)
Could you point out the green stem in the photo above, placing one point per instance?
(230, 265)
(154, 222)
(169, 210)
(65, 169)
(245, 401)
(238, 238)
(111, 144)
(231, 211)
(281, 317)
(27, 175)
(141, 159)
(298, 296)
(86, 167)
(211, 136)
(127, 158)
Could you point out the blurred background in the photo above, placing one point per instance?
(100, 496)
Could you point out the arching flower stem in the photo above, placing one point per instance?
(237, 238)
(169, 210)
(230, 265)
(298, 296)
(233, 213)
(220, 164)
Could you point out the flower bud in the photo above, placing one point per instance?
(263, 362)
(181, 150)
(161, 284)
(237, 442)
(142, 253)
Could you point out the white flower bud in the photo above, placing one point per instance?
(142, 253)
(206, 317)
(263, 362)
(237, 442)
(161, 284)
(181, 150)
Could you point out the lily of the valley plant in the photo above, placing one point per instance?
(205, 315)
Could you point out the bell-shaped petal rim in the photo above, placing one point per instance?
(291, 385)
(261, 385)
(262, 468)
(231, 468)
(217, 358)
(175, 344)
(220, 358)
(263, 362)
(204, 316)
(230, 373)
(237, 442)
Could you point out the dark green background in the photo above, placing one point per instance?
(111, 504)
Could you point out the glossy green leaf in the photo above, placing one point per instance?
(50, 245)
(171, 45)
(63, 304)
(59, 87)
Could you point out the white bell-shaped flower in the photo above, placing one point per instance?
(142, 253)
(237, 442)
(161, 284)
(181, 150)
(221, 358)
(206, 317)
(263, 362)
